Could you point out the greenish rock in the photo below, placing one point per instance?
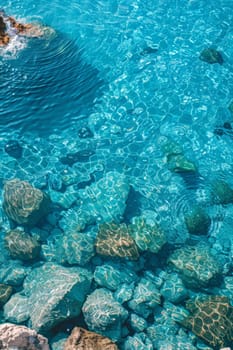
(196, 265)
(75, 248)
(211, 55)
(146, 298)
(55, 294)
(230, 107)
(138, 341)
(147, 237)
(124, 292)
(64, 200)
(197, 221)
(171, 147)
(21, 245)
(5, 293)
(16, 310)
(23, 203)
(173, 289)
(178, 163)
(111, 275)
(104, 315)
(221, 193)
(137, 323)
(115, 240)
(14, 273)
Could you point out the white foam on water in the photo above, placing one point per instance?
(16, 44)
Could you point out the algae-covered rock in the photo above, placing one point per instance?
(145, 298)
(147, 237)
(55, 293)
(221, 193)
(81, 339)
(5, 293)
(115, 240)
(103, 314)
(21, 245)
(23, 203)
(20, 337)
(178, 163)
(211, 319)
(196, 265)
(211, 55)
(197, 221)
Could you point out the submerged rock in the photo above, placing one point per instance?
(211, 55)
(21, 245)
(115, 240)
(103, 314)
(147, 237)
(197, 266)
(55, 294)
(198, 221)
(211, 319)
(221, 193)
(178, 163)
(80, 156)
(81, 339)
(5, 293)
(14, 149)
(20, 337)
(145, 299)
(23, 203)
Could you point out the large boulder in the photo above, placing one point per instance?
(81, 339)
(20, 337)
(23, 203)
(54, 294)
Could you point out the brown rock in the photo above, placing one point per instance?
(21, 245)
(20, 337)
(23, 203)
(82, 339)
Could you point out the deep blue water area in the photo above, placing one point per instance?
(118, 87)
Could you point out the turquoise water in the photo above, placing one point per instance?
(118, 81)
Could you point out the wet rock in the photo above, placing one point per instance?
(20, 337)
(147, 237)
(23, 203)
(85, 133)
(103, 314)
(178, 163)
(5, 293)
(14, 149)
(145, 299)
(221, 193)
(197, 221)
(75, 248)
(115, 240)
(148, 50)
(55, 294)
(16, 309)
(211, 55)
(211, 319)
(81, 339)
(80, 156)
(111, 275)
(21, 245)
(196, 265)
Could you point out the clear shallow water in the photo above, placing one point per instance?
(96, 71)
